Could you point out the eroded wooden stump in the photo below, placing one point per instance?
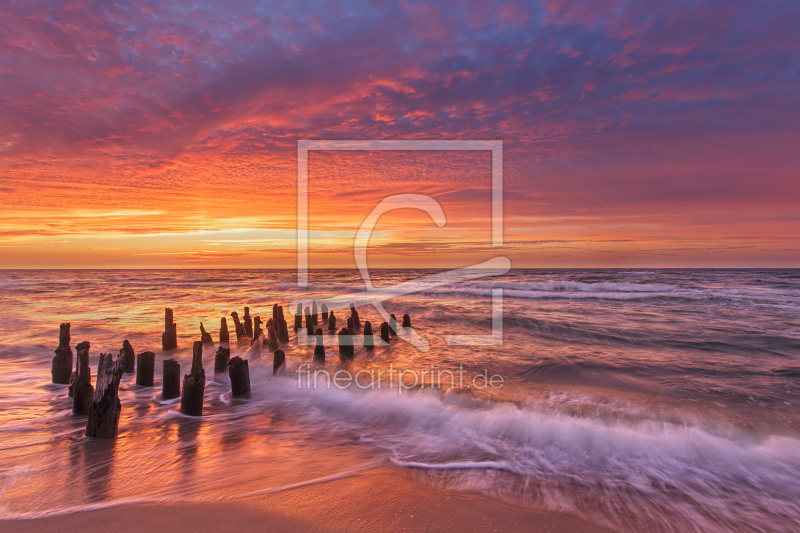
(272, 337)
(355, 317)
(324, 309)
(248, 323)
(82, 392)
(331, 322)
(239, 373)
(61, 370)
(194, 383)
(104, 411)
(278, 360)
(224, 336)
(171, 382)
(319, 349)
(221, 360)
(128, 357)
(169, 339)
(369, 339)
(314, 312)
(283, 327)
(206, 337)
(385, 332)
(298, 318)
(309, 322)
(256, 333)
(406, 321)
(145, 369)
(346, 348)
(392, 325)
(239, 327)
(351, 328)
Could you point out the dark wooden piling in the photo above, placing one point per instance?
(331, 322)
(278, 360)
(206, 337)
(169, 339)
(82, 392)
(275, 312)
(61, 370)
(272, 337)
(355, 317)
(224, 336)
(346, 348)
(392, 325)
(221, 360)
(314, 312)
(298, 317)
(128, 357)
(171, 380)
(104, 411)
(351, 325)
(238, 326)
(248, 323)
(145, 369)
(385, 332)
(239, 373)
(309, 322)
(194, 383)
(369, 339)
(324, 309)
(283, 327)
(256, 332)
(319, 349)
(406, 321)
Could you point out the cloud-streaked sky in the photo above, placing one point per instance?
(165, 134)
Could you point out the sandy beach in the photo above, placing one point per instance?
(383, 499)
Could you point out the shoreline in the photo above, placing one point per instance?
(384, 498)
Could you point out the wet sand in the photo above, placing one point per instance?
(383, 499)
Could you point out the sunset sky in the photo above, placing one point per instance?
(636, 134)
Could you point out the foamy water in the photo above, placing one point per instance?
(642, 400)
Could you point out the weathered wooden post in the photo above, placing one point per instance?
(272, 337)
(351, 325)
(169, 339)
(194, 383)
(238, 326)
(346, 348)
(105, 409)
(392, 325)
(355, 317)
(82, 391)
(145, 369)
(298, 317)
(256, 332)
(239, 373)
(385, 332)
(324, 309)
(278, 360)
(314, 312)
(283, 327)
(319, 349)
(248, 323)
(171, 382)
(128, 357)
(275, 312)
(205, 337)
(331, 322)
(221, 360)
(309, 322)
(406, 321)
(61, 369)
(224, 336)
(369, 340)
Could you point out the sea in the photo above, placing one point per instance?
(641, 400)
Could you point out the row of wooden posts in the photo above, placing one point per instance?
(102, 405)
